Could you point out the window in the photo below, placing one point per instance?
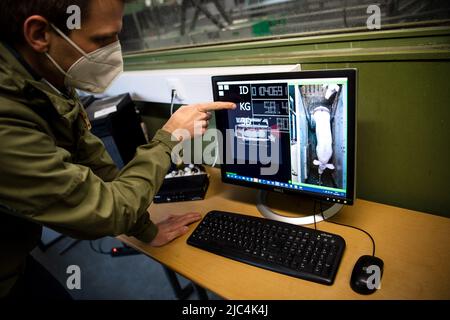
(161, 24)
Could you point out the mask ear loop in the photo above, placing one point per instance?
(69, 41)
(57, 65)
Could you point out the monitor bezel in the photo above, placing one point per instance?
(351, 75)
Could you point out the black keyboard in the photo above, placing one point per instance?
(277, 246)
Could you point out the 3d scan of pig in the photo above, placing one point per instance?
(324, 149)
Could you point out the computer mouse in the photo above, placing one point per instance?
(366, 274)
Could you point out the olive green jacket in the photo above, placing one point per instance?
(54, 172)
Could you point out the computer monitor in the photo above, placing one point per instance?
(291, 133)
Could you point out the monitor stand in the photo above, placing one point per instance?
(268, 213)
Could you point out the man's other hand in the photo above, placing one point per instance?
(173, 227)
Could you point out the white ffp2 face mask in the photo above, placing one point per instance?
(93, 72)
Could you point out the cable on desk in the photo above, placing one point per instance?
(345, 225)
(174, 94)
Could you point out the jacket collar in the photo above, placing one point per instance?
(21, 60)
(19, 81)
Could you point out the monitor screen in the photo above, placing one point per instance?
(291, 132)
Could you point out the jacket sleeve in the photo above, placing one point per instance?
(38, 183)
(92, 153)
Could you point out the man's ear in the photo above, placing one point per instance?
(36, 31)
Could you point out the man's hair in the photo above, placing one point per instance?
(13, 14)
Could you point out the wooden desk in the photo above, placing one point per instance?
(415, 248)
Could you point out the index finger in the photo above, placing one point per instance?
(205, 107)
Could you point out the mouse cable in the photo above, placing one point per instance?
(345, 225)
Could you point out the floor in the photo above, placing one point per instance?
(135, 277)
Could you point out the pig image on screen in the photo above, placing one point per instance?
(324, 149)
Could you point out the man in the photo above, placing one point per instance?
(53, 171)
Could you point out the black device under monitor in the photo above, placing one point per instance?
(183, 183)
(291, 132)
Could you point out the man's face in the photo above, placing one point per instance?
(101, 28)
